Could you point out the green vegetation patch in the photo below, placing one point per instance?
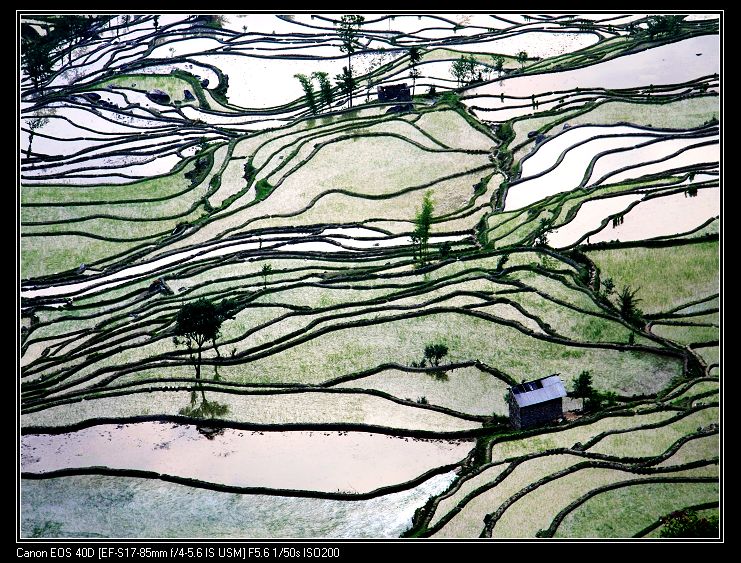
(648, 442)
(623, 512)
(666, 277)
(469, 522)
(467, 390)
(40, 258)
(536, 510)
(351, 350)
(687, 334)
(172, 85)
(159, 187)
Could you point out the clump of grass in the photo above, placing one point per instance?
(263, 189)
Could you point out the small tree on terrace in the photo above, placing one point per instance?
(325, 88)
(628, 304)
(346, 82)
(461, 70)
(348, 31)
(267, 269)
(308, 91)
(522, 58)
(422, 226)
(36, 61)
(196, 324)
(583, 386)
(415, 55)
(435, 352)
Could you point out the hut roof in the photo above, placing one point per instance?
(538, 391)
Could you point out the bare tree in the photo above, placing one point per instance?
(37, 122)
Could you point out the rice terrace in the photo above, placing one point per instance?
(369, 275)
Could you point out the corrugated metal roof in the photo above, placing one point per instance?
(552, 389)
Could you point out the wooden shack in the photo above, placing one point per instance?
(394, 93)
(537, 402)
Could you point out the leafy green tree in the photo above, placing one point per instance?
(308, 91)
(422, 226)
(325, 88)
(664, 25)
(522, 58)
(459, 70)
(348, 32)
(583, 386)
(346, 83)
(36, 60)
(688, 524)
(196, 324)
(435, 352)
(467, 70)
(213, 20)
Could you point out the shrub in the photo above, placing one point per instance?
(583, 386)
(505, 132)
(200, 169)
(687, 524)
(435, 352)
(249, 172)
(452, 99)
(262, 189)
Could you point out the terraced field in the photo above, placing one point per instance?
(546, 201)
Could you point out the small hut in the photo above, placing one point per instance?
(394, 93)
(536, 402)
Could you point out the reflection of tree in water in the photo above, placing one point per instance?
(196, 324)
(209, 432)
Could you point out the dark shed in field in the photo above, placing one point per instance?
(394, 93)
(536, 402)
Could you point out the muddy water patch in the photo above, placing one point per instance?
(327, 461)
